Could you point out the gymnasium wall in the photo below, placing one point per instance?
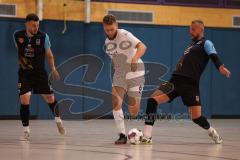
(166, 40)
(74, 10)
(220, 96)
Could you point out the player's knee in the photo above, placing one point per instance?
(116, 104)
(50, 99)
(158, 101)
(133, 111)
(24, 101)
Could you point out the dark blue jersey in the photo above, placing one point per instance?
(195, 59)
(31, 50)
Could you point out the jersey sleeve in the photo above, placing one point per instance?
(211, 51)
(209, 47)
(132, 39)
(47, 43)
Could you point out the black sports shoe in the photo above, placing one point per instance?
(122, 139)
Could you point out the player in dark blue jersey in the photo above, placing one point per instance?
(184, 82)
(33, 48)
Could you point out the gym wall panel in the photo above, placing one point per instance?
(94, 44)
(225, 92)
(165, 45)
(65, 46)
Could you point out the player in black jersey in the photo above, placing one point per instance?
(33, 48)
(185, 82)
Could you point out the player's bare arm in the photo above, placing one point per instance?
(224, 71)
(50, 59)
(141, 49)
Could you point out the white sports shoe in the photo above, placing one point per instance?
(146, 140)
(26, 136)
(215, 136)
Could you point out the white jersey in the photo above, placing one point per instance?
(121, 50)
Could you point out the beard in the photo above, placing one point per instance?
(33, 32)
(113, 37)
(195, 38)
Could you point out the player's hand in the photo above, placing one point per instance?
(55, 75)
(134, 64)
(224, 71)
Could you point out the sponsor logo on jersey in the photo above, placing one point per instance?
(197, 98)
(187, 50)
(124, 45)
(38, 42)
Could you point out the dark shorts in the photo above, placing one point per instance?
(36, 82)
(186, 88)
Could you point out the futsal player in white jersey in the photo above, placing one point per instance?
(125, 51)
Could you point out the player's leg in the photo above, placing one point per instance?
(157, 98)
(134, 98)
(53, 105)
(24, 89)
(134, 105)
(117, 100)
(25, 114)
(196, 116)
(165, 93)
(190, 95)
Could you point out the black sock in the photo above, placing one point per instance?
(54, 108)
(24, 114)
(202, 122)
(151, 111)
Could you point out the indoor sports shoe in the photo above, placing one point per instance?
(215, 136)
(146, 140)
(25, 137)
(122, 139)
(61, 128)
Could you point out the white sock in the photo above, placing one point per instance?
(58, 119)
(26, 129)
(119, 120)
(210, 130)
(148, 131)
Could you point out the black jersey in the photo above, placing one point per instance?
(195, 59)
(31, 50)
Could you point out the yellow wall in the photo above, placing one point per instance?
(54, 9)
(163, 15)
(23, 6)
(172, 15)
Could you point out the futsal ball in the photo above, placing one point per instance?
(135, 136)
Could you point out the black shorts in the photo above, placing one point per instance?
(185, 87)
(33, 81)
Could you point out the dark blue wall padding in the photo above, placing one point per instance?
(220, 96)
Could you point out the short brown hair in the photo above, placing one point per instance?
(31, 17)
(109, 19)
(198, 21)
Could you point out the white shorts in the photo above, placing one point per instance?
(133, 87)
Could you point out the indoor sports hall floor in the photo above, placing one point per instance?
(93, 140)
